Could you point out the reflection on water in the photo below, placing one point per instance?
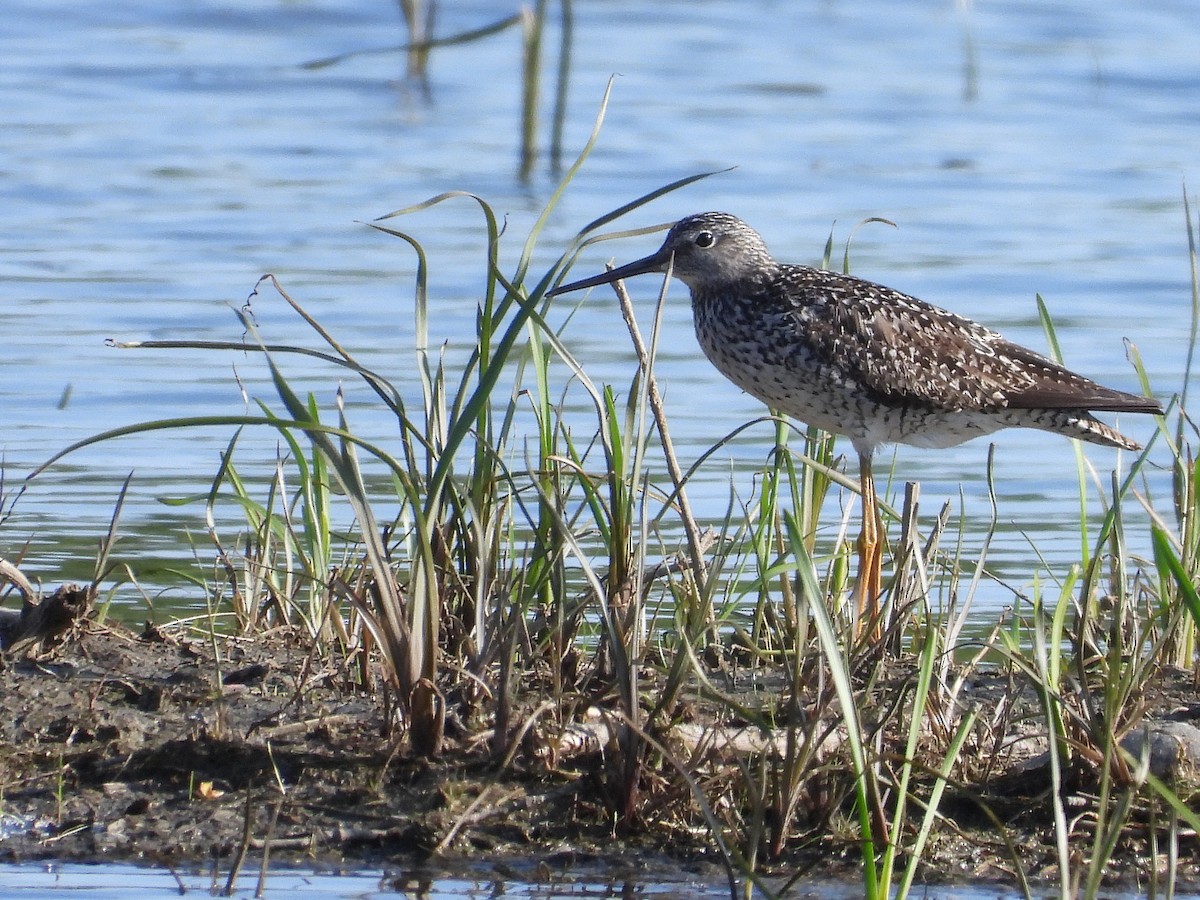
(477, 883)
(103, 882)
(158, 158)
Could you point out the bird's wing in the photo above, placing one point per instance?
(902, 348)
(1053, 387)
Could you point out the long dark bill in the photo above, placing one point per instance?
(654, 263)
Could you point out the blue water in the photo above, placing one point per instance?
(109, 881)
(157, 158)
(103, 882)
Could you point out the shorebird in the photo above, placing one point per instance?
(865, 361)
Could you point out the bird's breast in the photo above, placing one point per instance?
(764, 352)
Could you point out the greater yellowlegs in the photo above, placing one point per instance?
(865, 361)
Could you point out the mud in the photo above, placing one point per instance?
(175, 748)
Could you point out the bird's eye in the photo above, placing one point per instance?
(705, 239)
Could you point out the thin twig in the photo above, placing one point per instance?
(266, 850)
(240, 858)
(691, 529)
(10, 573)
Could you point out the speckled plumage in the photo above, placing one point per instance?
(865, 361)
(860, 359)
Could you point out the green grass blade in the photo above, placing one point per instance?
(1171, 568)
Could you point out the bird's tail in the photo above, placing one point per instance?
(1085, 427)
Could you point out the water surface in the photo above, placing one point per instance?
(157, 158)
(102, 882)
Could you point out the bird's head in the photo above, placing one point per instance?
(704, 251)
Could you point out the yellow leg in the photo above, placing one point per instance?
(870, 554)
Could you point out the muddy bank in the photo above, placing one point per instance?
(157, 747)
(174, 748)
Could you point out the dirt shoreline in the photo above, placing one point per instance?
(174, 749)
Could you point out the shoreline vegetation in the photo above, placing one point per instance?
(504, 654)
